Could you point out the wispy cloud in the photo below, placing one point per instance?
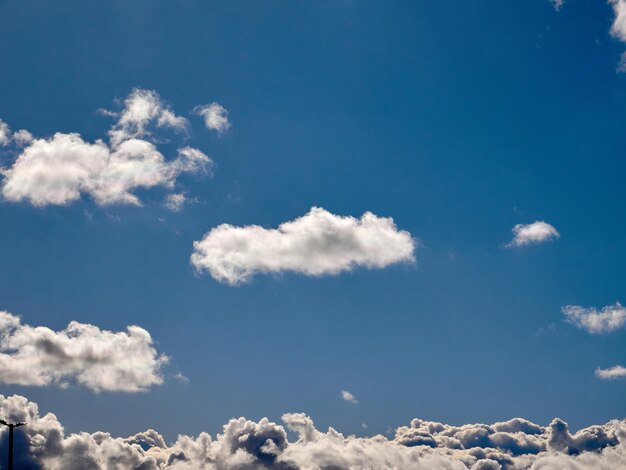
(347, 396)
(608, 319)
(557, 4)
(80, 354)
(316, 244)
(529, 234)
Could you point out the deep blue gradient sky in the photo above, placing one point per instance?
(458, 119)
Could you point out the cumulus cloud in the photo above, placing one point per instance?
(537, 232)
(608, 319)
(83, 354)
(316, 244)
(60, 169)
(423, 445)
(215, 117)
(615, 372)
(347, 396)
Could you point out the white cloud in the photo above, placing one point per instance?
(614, 372)
(175, 202)
(557, 4)
(5, 134)
(618, 28)
(215, 117)
(264, 445)
(347, 396)
(537, 232)
(592, 320)
(60, 169)
(22, 137)
(318, 243)
(141, 109)
(83, 354)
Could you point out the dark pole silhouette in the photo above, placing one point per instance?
(11, 427)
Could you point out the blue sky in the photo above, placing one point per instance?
(457, 119)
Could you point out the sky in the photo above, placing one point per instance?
(364, 211)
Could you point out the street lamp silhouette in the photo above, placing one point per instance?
(11, 427)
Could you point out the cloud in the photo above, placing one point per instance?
(316, 244)
(141, 109)
(83, 354)
(215, 117)
(423, 445)
(557, 4)
(610, 318)
(5, 134)
(615, 372)
(618, 28)
(175, 202)
(22, 137)
(347, 396)
(537, 232)
(60, 169)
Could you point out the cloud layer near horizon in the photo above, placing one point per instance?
(58, 170)
(80, 354)
(243, 444)
(316, 244)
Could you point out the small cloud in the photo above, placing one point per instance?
(22, 137)
(175, 202)
(364, 426)
(215, 117)
(182, 378)
(5, 134)
(347, 396)
(615, 372)
(557, 4)
(608, 319)
(529, 234)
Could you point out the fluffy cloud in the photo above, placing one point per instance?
(610, 318)
(347, 396)
(537, 232)
(318, 243)
(423, 445)
(60, 169)
(83, 354)
(614, 372)
(215, 117)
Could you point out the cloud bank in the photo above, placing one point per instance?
(529, 234)
(60, 169)
(243, 444)
(316, 244)
(608, 319)
(80, 354)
